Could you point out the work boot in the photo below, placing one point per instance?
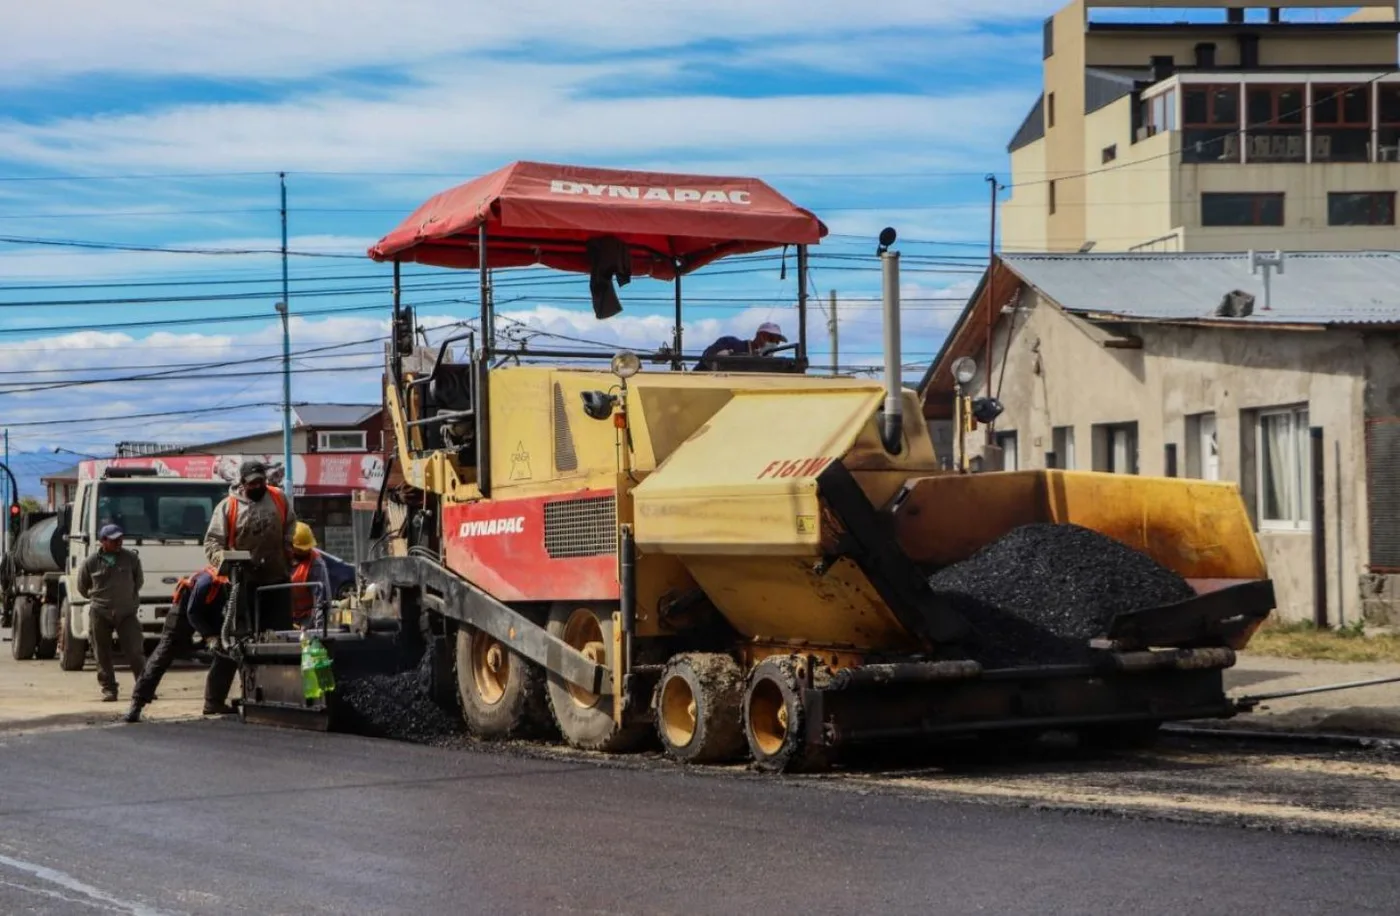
(218, 709)
(133, 715)
(109, 694)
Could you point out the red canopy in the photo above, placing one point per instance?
(537, 213)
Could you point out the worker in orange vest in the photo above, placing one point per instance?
(309, 604)
(257, 518)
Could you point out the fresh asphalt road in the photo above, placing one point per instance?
(215, 817)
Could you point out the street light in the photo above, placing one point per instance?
(964, 371)
(287, 482)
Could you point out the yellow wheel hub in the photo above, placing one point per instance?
(490, 664)
(584, 633)
(768, 717)
(678, 712)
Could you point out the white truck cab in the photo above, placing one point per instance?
(164, 520)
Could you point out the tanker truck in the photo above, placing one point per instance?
(164, 519)
(30, 577)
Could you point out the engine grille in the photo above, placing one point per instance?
(580, 527)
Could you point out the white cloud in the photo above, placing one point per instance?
(266, 39)
(533, 111)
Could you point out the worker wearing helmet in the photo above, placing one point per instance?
(768, 336)
(309, 570)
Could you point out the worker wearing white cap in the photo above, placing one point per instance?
(111, 580)
(767, 336)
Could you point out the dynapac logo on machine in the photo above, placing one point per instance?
(492, 526)
(638, 192)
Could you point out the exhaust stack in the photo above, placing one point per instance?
(892, 433)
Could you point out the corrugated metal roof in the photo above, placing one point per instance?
(1323, 288)
(324, 416)
(1031, 129)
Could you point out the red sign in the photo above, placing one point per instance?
(312, 475)
(499, 546)
(796, 467)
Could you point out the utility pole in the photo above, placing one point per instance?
(9, 497)
(990, 291)
(832, 329)
(285, 307)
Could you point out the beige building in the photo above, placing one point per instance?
(1182, 365)
(1266, 129)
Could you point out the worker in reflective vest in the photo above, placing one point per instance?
(259, 519)
(309, 603)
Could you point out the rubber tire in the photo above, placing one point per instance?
(1127, 736)
(47, 648)
(590, 728)
(716, 683)
(72, 653)
(793, 755)
(521, 712)
(24, 633)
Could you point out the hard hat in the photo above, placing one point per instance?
(303, 539)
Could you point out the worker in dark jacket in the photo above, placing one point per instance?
(196, 614)
(111, 580)
(769, 335)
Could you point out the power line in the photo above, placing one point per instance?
(189, 411)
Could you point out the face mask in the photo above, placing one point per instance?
(255, 493)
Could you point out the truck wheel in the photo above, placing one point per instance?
(698, 703)
(775, 720)
(586, 719)
(48, 623)
(24, 633)
(502, 694)
(72, 652)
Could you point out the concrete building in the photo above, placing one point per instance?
(1183, 365)
(1257, 130)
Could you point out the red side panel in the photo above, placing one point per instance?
(499, 546)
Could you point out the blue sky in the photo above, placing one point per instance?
(178, 116)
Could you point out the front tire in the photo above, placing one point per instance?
(24, 631)
(775, 719)
(586, 719)
(502, 695)
(72, 652)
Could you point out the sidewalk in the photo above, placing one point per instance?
(38, 694)
(1365, 710)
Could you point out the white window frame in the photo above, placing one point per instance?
(1296, 466)
(1062, 441)
(323, 438)
(1010, 457)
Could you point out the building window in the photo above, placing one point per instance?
(1052, 195)
(352, 440)
(1388, 127)
(1282, 451)
(1202, 447)
(1242, 209)
(1110, 153)
(1361, 208)
(1050, 109)
(1275, 126)
(1210, 122)
(1341, 123)
(1048, 39)
(1062, 441)
(1010, 456)
(1116, 448)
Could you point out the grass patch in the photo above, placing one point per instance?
(1303, 639)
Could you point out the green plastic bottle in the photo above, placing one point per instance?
(310, 676)
(325, 677)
